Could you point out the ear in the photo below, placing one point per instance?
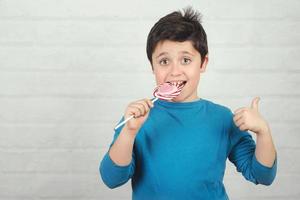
(152, 69)
(204, 63)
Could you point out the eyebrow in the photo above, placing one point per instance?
(186, 52)
(161, 54)
(183, 52)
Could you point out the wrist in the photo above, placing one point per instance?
(265, 130)
(264, 137)
(130, 132)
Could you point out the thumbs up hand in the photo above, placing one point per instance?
(249, 118)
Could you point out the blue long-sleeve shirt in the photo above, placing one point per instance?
(180, 152)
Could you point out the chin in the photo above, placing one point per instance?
(179, 99)
(185, 99)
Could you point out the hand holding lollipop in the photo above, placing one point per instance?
(164, 91)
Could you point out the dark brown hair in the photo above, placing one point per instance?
(178, 27)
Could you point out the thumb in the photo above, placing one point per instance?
(254, 103)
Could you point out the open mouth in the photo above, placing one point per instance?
(183, 83)
(179, 84)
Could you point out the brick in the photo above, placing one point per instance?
(111, 32)
(284, 187)
(132, 59)
(59, 186)
(275, 9)
(57, 113)
(56, 136)
(54, 161)
(65, 111)
(119, 85)
(98, 59)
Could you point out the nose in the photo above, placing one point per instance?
(175, 70)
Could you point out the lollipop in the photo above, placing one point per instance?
(165, 91)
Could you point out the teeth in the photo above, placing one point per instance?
(178, 83)
(174, 82)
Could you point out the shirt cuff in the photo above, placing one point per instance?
(264, 175)
(115, 165)
(113, 174)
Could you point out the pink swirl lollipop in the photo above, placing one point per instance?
(165, 91)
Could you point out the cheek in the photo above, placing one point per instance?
(160, 77)
(194, 79)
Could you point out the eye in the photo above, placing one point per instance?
(164, 61)
(186, 61)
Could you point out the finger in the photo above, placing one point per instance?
(145, 107)
(239, 122)
(150, 103)
(243, 127)
(238, 116)
(136, 109)
(133, 111)
(254, 103)
(239, 110)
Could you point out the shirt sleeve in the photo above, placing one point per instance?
(114, 175)
(242, 155)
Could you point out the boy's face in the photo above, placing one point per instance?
(178, 61)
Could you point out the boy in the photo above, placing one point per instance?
(177, 149)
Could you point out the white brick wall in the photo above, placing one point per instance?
(57, 113)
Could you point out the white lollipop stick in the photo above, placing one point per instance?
(129, 118)
(165, 91)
